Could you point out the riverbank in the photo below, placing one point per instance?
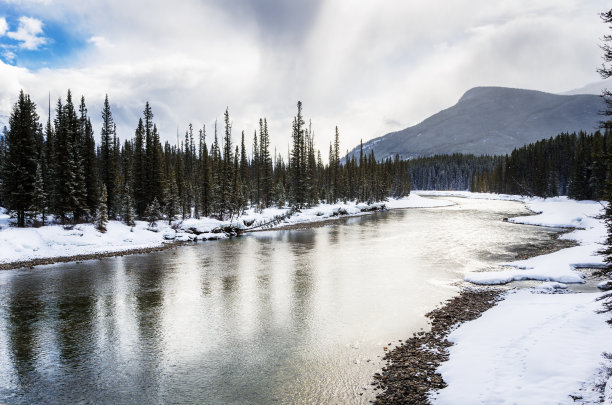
(27, 247)
(537, 345)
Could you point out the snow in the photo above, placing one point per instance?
(23, 244)
(542, 345)
(529, 349)
(557, 212)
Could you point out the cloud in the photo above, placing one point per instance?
(370, 69)
(3, 26)
(9, 55)
(29, 33)
(100, 42)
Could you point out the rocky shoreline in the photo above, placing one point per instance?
(410, 372)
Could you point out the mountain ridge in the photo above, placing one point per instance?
(491, 120)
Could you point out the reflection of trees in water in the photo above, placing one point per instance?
(25, 312)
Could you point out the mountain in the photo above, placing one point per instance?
(491, 121)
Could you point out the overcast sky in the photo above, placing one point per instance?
(368, 66)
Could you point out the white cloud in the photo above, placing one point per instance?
(29, 33)
(3, 26)
(9, 55)
(100, 42)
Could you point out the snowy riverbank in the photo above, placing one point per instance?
(537, 346)
(55, 241)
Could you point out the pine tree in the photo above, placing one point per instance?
(205, 175)
(256, 173)
(129, 214)
(139, 169)
(227, 166)
(89, 159)
(265, 164)
(107, 152)
(101, 219)
(153, 214)
(20, 158)
(297, 164)
(39, 200)
(606, 71)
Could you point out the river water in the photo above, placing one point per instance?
(295, 316)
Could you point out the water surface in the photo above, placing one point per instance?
(297, 316)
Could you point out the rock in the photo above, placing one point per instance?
(410, 373)
(605, 285)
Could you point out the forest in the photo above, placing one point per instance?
(58, 173)
(569, 164)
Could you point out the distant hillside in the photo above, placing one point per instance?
(491, 120)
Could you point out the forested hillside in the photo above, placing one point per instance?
(569, 164)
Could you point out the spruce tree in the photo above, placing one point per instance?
(39, 200)
(101, 219)
(20, 159)
(606, 71)
(205, 179)
(153, 214)
(227, 166)
(297, 164)
(265, 164)
(107, 151)
(129, 213)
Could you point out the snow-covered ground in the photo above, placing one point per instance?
(539, 345)
(529, 349)
(23, 244)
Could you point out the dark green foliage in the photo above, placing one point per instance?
(20, 158)
(606, 71)
(101, 218)
(39, 198)
(569, 164)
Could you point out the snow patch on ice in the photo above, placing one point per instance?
(556, 212)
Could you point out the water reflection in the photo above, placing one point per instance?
(285, 316)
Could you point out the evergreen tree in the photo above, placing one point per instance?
(296, 164)
(101, 219)
(139, 169)
(227, 171)
(20, 159)
(39, 200)
(265, 164)
(129, 214)
(606, 71)
(107, 155)
(89, 159)
(153, 213)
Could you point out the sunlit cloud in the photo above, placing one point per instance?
(3, 26)
(100, 42)
(29, 33)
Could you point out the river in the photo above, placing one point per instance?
(294, 316)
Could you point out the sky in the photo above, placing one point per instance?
(368, 67)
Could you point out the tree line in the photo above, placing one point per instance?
(569, 164)
(59, 171)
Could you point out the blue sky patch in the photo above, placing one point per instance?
(53, 46)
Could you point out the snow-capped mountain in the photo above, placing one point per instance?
(491, 120)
